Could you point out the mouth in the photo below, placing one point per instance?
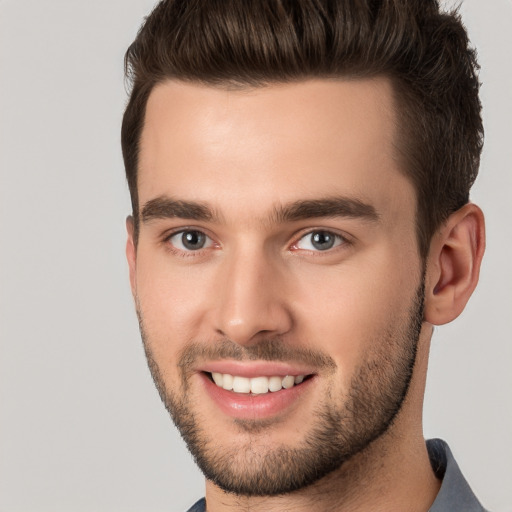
(257, 389)
(259, 385)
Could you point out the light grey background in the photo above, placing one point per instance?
(81, 426)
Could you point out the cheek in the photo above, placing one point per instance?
(171, 301)
(348, 311)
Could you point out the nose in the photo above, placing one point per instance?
(252, 303)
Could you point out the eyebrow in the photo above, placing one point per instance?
(327, 207)
(164, 207)
(167, 208)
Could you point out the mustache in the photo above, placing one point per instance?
(268, 349)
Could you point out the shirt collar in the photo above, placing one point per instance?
(455, 493)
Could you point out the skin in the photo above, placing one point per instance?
(244, 153)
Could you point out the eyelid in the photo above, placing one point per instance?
(166, 239)
(345, 240)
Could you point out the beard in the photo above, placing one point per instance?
(344, 424)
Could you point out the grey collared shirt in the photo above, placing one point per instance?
(455, 494)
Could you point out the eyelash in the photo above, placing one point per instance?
(183, 252)
(340, 242)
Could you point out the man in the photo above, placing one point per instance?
(299, 175)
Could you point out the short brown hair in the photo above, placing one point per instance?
(253, 43)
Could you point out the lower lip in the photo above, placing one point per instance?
(252, 406)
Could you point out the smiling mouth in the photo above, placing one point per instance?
(255, 385)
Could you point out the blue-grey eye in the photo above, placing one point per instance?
(190, 240)
(319, 240)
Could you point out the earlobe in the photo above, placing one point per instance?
(131, 253)
(453, 265)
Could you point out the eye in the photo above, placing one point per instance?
(319, 240)
(190, 240)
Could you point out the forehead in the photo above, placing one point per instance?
(252, 148)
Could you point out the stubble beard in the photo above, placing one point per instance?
(342, 428)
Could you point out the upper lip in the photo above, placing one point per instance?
(251, 369)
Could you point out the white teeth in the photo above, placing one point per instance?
(288, 382)
(217, 378)
(259, 385)
(255, 385)
(275, 384)
(227, 381)
(241, 385)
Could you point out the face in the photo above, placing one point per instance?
(276, 277)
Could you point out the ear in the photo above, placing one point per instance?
(131, 253)
(453, 265)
